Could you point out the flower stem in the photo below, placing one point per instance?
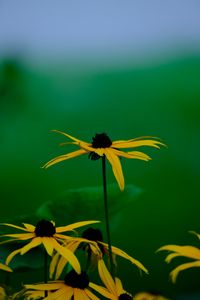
(45, 271)
(106, 215)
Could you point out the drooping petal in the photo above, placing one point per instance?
(116, 166)
(132, 154)
(11, 255)
(5, 268)
(67, 135)
(74, 225)
(53, 264)
(187, 251)
(34, 243)
(182, 267)
(63, 261)
(68, 255)
(101, 290)
(106, 277)
(123, 254)
(14, 226)
(64, 157)
(48, 245)
(78, 295)
(137, 143)
(57, 295)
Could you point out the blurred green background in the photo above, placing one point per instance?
(157, 96)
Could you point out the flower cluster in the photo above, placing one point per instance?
(68, 278)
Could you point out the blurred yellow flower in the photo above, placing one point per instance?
(92, 239)
(103, 146)
(184, 251)
(5, 268)
(45, 233)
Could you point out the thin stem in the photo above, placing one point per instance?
(106, 214)
(45, 271)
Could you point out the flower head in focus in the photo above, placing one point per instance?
(103, 146)
(45, 233)
(184, 251)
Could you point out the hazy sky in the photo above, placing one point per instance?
(103, 27)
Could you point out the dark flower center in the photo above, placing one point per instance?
(92, 234)
(95, 235)
(125, 297)
(101, 140)
(45, 228)
(76, 280)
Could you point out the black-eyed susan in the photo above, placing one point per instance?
(45, 233)
(102, 146)
(92, 243)
(74, 286)
(114, 288)
(184, 251)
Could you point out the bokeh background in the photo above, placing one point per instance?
(127, 68)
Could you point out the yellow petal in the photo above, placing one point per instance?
(90, 295)
(187, 251)
(45, 286)
(53, 264)
(182, 267)
(68, 255)
(123, 254)
(30, 227)
(64, 157)
(67, 135)
(34, 243)
(132, 154)
(14, 226)
(59, 294)
(116, 166)
(106, 277)
(11, 255)
(79, 295)
(21, 236)
(101, 290)
(47, 242)
(74, 225)
(119, 286)
(137, 143)
(5, 268)
(197, 234)
(63, 261)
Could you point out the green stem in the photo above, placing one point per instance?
(45, 271)
(106, 215)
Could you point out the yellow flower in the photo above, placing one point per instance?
(46, 234)
(92, 239)
(185, 251)
(114, 289)
(103, 146)
(74, 286)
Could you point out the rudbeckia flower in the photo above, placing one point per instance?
(74, 286)
(45, 233)
(149, 296)
(184, 251)
(92, 241)
(114, 288)
(103, 146)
